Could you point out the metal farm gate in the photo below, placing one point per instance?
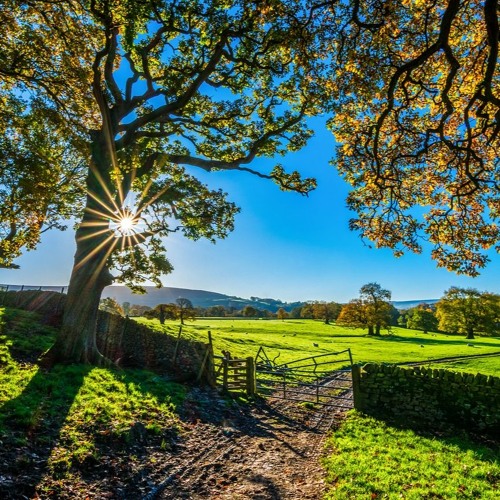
(323, 379)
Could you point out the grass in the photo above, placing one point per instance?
(371, 460)
(294, 339)
(77, 413)
(77, 416)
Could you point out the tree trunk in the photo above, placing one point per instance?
(370, 330)
(76, 342)
(470, 334)
(377, 330)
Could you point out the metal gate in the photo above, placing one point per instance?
(323, 379)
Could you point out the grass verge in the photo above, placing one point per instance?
(75, 419)
(368, 459)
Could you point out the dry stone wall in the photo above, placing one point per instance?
(121, 339)
(429, 397)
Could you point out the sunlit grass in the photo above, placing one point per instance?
(368, 459)
(294, 339)
(77, 412)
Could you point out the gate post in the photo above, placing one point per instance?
(224, 373)
(356, 387)
(251, 383)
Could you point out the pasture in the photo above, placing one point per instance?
(294, 339)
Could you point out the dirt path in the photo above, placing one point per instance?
(271, 450)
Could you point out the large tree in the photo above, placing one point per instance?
(468, 311)
(154, 90)
(417, 116)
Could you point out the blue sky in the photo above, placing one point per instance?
(285, 246)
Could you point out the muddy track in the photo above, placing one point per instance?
(270, 449)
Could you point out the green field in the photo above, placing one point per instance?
(295, 339)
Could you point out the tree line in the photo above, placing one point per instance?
(464, 311)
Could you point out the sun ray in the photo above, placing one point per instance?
(94, 234)
(95, 250)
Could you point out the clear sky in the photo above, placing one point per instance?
(285, 246)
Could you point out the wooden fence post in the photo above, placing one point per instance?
(251, 383)
(176, 349)
(356, 387)
(225, 374)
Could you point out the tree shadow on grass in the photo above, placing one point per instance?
(429, 340)
(30, 426)
(484, 446)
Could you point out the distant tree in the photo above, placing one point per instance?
(307, 311)
(185, 309)
(162, 312)
(216, 311)
(372, 310)
(327, 311)
(281, 314)
(249, 312)
(354, 315)
(420, 318)
(295, 313)
(138, 310)
(394, 314)
(376, 300)
(468, 311)
(110, 305)
(403, 319)
(126, 308)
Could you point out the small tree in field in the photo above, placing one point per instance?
(420, 318)
(162, 312)
(327, 311)
(281, 314)
(185, 309)
(372, 310)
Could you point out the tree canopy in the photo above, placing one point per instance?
(371, 310)
(417, 116)
(468, 311)
(146, 93)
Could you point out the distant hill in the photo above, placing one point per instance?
(203, 298)
(199, 298)
(408, 304)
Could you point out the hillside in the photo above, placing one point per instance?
(204, 298)
(408, 304)
(199, 298)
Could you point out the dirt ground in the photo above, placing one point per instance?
(270, 450)
(263, 450)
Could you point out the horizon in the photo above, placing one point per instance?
(249, 298)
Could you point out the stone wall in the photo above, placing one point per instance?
(122, 340)
(428, 397)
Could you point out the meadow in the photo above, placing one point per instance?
(75, 427)
(295, 339)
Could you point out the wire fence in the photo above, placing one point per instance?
(22, 288)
